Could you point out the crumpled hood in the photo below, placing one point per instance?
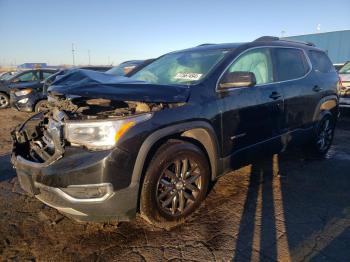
(92, 84)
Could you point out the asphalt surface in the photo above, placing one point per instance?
(283, 207)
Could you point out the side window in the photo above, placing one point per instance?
(290, 64)
(257, 61)
(46, 74)
(321, 62)
(27, 77)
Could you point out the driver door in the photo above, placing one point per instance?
(29, 79)
(251, 115)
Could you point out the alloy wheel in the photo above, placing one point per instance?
(3, 101)
(325, 135)
(179, 186)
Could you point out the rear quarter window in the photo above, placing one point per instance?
(290, 63)
(321, 62)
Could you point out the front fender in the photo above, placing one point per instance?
(198, 130)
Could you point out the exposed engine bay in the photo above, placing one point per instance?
(42, 138)
(99, 108)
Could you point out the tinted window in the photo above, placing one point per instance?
(257, 61)
(27, 77)
(47, 74)
(290, 64)
(321, 62)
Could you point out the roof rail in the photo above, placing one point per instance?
(266, 38)
(274, 38)
(297, 41)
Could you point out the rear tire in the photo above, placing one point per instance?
(323, 136)
(175, 184)
(4, 101)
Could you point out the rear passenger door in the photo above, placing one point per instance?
(293, 75)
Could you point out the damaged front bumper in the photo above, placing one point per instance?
(86, 185)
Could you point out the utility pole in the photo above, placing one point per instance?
(73, 53)
(108, 60)
(89, 57)
(318, 28)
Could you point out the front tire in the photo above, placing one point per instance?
(175, 183)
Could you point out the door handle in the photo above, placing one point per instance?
(275, 95)
(317, 88)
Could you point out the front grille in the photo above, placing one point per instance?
(40, 139)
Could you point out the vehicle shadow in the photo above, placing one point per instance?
(297, 208)
(6, 169)
(258, 205)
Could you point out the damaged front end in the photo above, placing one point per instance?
(92, 110)
(70, 157)
(40, 138)
(96, 124)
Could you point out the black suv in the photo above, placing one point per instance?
(152, 143)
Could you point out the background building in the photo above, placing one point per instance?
(337, 44)
(36, 65)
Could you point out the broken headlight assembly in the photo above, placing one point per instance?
(100, 134)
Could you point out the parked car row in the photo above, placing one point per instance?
(344, 91)
(27, 90)
(152, 142)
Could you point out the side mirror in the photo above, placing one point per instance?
(16, 80)
(237, 79)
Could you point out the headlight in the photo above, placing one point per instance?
(100, 134)
(23, 92)
(23, 101)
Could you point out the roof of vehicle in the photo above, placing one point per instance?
(261, 41)
(94, 68)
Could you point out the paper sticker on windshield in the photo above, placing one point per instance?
(188, 76)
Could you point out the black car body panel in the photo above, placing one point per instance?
(231, 125)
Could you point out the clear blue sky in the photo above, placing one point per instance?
(43, 30)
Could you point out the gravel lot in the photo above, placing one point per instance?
(283, 207)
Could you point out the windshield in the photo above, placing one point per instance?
(181, 68)
(345, 69)
(7, 75)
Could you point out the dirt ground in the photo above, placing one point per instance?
(284, 207)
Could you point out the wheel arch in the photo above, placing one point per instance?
(199, 132)
(326, 105)
(37, 102)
